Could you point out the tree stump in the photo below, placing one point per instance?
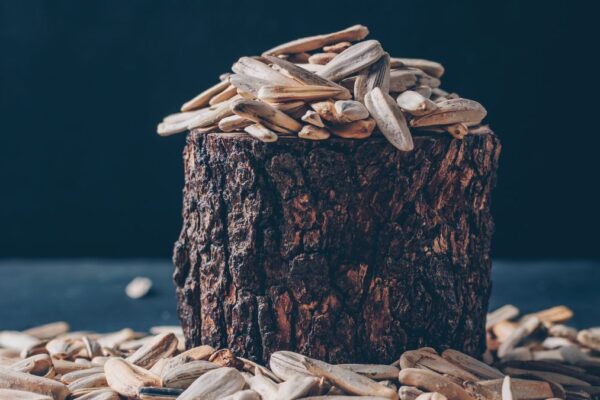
(347, 251)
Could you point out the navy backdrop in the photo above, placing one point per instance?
(83, 84)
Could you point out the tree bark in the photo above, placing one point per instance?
(347, 251)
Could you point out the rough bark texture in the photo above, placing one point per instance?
(348, 251)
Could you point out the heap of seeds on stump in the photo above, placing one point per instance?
(333, 84)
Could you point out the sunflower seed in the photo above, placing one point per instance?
(458, 131)
(11, 394)
(213, 115)
(453, 111)
(376, 75)
(126, 378)
(504, 313)
(10, 379)
(39, 364)
(522, 389)
(259, 70)
(432, 396)
(88, 382)
(525, 329)
(214, 385)
(243, 395)
(233, 123)
(161, 346)
(337, 48)
(361, 129)
(373, 371)
(390, 120)
(182, 376)
(64, 348)
(552, 315)
(100, 394)
(349, 381)
(342, 397)
(18, 341)
(352, 60)
(203, 98)
(321, 58)
(563, 331)
(75, 375)
(474, 366)
(432, 68)
(351, 34)
(261, 133)
(431, 361)
(313, 118)
(312, 132)
(307, 77)
(409, 392)
(248, 84)
(287, 364)
(48, 331)
(415, 104)
(546, 376)
(265, 115)
(300, 58)
(295, 93)
(432, 382)
(350, 110)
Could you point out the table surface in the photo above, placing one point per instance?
(90, 294)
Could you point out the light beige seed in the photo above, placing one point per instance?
(337, 48)
(432, 68)
(248, 84)
(39, 365)
(161, 346)
(287, 364)
(453, 111)
(182, 376)
(350, 110)
(373, 371)
(415, 104)
(352, 60)
(203, 98)
(390, 120)
(361, 129)
(458, 131)
(48, 331)
(427, 360)
(274, 94)
(563, 331)
(507, 392)
(524, 329)
(553, 315)
(93, 381)
(213, 115)
(10, 379)
(433, 382)
(138, 287)
(257, 69)
(11, 394)
(234, 123)
(522, 389)
(351, 34)
(100, 394)
(313, 118)
(126, 378)
(376, 75)
(474, 366)
(321, 58)
(224, 95)
(349, 381)
(261, 133)
(307, 77)
(312, 132)
(215, 385)
(18, 341)
(504, 313)
(243, 395)
(409, 392)
(431, 396)
(75, 375)
(265, 115)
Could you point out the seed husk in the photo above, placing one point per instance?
(525, 329)
(415, 104)
(453, 111)
(48, 331)
(274, 93)
(312, 132)
(18, 341)
(432, 68)
(126, 378)
(522, 389)
(214, 385)
(39, 364)
(350, 110)
(349, 381)
(11, 394)
(373, 371)
(213, 114)
(182, 376)
(351, 34)
(203, 98)
(234, 123)
(75, 375)
(161, 346)
(376, 75)
(427, 360)
(390, 120)
(307, 77)
(321, 58)
(259, 70)
(248, 84)
(361, 129)
(243, 395)
(351, 60)
(458, 131)
(10, 379)
(474, 366)
(64, 348)
(88, 382)
(552, 315)
(504, 313)
(433, 382)
(265, 115)
(337, 48)
(313, 118)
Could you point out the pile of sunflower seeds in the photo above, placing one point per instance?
(336, 83)
(533, 357)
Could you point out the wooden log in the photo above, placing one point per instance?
(343, 250)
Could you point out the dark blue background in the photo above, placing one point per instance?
(83, 84)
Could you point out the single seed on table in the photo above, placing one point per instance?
(376, 75)
(432, 68)
(360, 129)
(321, 58)
(257, 69)
(337, 48)
(203, 98)
(313, 118)
(390, 119)
(274, 93)
(265, 115)
(352, 60)
(261, 133)
(307, 77)
(415, 104)
(312, 132)
(351, 34)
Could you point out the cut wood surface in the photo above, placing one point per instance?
(343, 250)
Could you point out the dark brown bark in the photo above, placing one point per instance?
(348, 251)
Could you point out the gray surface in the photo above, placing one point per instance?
(90, 293)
